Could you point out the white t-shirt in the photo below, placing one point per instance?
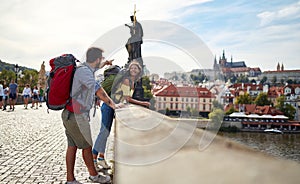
(35, 91)
(1, 90)
(27, 91)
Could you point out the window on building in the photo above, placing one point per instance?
(186, 99)
(176, 99)
(204, 100)
(204, 107)
(171, 107)
(176, 106)
(171, 99)
(165, 99)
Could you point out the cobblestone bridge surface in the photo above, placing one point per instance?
(33, 146)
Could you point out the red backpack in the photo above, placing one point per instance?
(60, 81)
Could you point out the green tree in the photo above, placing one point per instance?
(147, 87)
(274, 79)
(29, 77)
(216, 117)
(290, 81)
(244, 99)
(230, 111)
(7, 76)
(194, 112)
(263, 80)
(262, 99)
(287, 109)
(188, 109)
(242, 79)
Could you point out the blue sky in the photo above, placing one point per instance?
(261, 33)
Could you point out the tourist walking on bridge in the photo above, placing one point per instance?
(13, 94)
(26, 95)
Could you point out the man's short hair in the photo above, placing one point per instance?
(93, 54)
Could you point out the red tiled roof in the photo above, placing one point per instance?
(255, 109)
(257, 69)
(185, 91)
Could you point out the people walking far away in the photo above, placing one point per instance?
(5, 96)
(41, 96)
(35, 96)
(13, 94)
(26, 95)
(76, 123)
(123, 92)
(1, 94)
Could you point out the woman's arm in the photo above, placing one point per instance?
(134, 101)
(105, 98)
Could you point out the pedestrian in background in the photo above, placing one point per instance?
(35, 95)
(5, 96)
(41, 96)
(26, 95)
(1, 94)
(13, 94)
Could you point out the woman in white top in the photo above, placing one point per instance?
(26, 95)
(35, 94)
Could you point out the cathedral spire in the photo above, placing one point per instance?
(278, 67)
(223, 57)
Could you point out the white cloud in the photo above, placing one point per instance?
(288, 12)
(32, 31)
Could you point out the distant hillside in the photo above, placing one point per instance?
(8, 66)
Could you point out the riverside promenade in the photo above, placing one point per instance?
(33, 146)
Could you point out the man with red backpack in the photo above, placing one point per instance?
(77, 122)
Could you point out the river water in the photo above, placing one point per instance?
(286, 146)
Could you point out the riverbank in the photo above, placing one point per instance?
(284, 146)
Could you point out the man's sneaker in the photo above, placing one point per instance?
(97, 167)
(73, 182)
(100, 179)
(103, 164)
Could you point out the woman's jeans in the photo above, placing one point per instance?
(106, 123)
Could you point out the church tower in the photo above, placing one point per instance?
(282, 67)
(278, 67)
(216, 67)
(223, 60)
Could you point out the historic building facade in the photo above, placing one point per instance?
(184, 98)
(281, 75)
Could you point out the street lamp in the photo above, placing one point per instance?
(17, 71)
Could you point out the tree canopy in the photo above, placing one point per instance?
(244, 99)
(262, 99)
